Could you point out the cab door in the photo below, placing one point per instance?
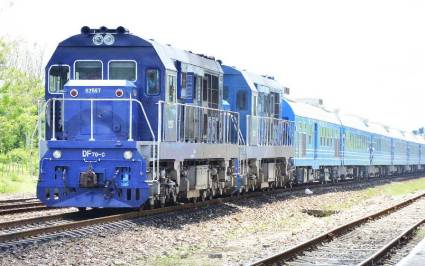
(170, 108)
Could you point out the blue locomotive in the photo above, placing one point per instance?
(129, 122)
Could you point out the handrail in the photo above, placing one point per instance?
(200, 107)
(187, 123)
(270, 131)
(91, 100)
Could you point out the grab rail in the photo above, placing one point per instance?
(42, 108)
(269, 131)
(179, 122)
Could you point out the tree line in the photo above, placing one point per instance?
(20, 88)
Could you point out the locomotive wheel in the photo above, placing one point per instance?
(174, 197)
(204, 195)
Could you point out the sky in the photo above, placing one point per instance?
(364, 57)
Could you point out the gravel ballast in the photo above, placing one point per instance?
(230, 234)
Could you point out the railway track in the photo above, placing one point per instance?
(364, 241)
(22, 205)
(25, 209)
(17, 200)
(29, 231)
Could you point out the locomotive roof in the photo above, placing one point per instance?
(253, 79)
(167, 53)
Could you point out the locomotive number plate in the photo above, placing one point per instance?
(92, 154)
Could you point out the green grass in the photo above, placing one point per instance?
(397, 188)
(14, 180)
(393, 189)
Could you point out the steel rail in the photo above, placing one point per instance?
(28, 221)
(118, 217)
(52, 229)
(294, 251)
(20, 205)
(100, 220)
(22, 210)
(378, 255)
(17, 200)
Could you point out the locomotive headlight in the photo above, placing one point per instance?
(108, 39)
(128, 155)
(57, 154)
(97, 39)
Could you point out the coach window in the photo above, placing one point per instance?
(58, 76)
(241, 100)
(88, 70)
(152, 82)
(125, 70)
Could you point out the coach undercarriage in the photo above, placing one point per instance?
(335, 174)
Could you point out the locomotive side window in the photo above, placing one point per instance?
(241, 100)
(152, 82)
(226, 93)
(123, 70)
(210, 92)
(88, 70)
(58, 76)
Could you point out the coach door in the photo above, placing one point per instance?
(337, 145)
(371, 149)
(316, 139)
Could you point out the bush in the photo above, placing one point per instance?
(19, 155)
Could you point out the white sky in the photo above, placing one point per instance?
(366, 57)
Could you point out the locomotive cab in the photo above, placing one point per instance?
(94, 162)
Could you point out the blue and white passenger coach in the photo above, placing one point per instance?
(130, 121)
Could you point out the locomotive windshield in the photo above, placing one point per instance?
(88, 70)
(125, 70)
